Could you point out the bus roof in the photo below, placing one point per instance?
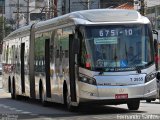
(23, 30)
(109, 15)
(92, 16)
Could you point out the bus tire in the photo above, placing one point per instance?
(68, 103)
(9, 85)
(133, 105)
(41, 96)
(44, 103)
(154, 99)
(13, 92)
(148, 100)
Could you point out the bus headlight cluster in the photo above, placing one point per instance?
(87, 79)
(150, 77)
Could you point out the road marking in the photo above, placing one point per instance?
(34, 114)
(25, 112)
(44, 118)
(19, 110)
(12, 108)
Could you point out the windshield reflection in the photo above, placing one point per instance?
(119, 47)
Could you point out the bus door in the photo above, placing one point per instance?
(59, 71)
(58, 66)
(47, 67)
(72, 69)
(22, 67)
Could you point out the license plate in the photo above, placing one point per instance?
(121, 96)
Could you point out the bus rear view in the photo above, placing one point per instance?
(116, 63)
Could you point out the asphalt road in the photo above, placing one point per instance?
(27, 109)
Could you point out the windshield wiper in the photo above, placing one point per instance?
(149, 63)
(100, 70)
(138, 69)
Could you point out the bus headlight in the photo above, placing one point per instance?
(87, 79)
(150, 77)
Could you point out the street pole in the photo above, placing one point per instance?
(49, 9)
(27, 12)
(3, 20)
(142, 9)
(52, 8)
(17, 14)
(55, 8)
(88, 4)
(69, 6)
(157, 12)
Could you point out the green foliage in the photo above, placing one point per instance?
(7, 29)
(1, 29)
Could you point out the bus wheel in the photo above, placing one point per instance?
(133, 105)
(68, 102)
(42, 99)
(148, 100)
(13, 93)
(9, 85)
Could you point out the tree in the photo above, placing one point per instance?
(1, 28)
(5, 28)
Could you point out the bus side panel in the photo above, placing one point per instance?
(31, 62)
(42, 65)
(17, 76)
(22, 67)
(57, 77)
(26, 89)
(6, 80)
(47, 67)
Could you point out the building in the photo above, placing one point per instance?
(76, 5)
(2, 10)
(53, 8)
(121, 4)
(45, 9)
(22, 12)
(15, 12)
(36, 9)
(153, 13)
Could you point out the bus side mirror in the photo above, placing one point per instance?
(155, 32)
(156, 46)
(156, 53)
(155, 35)
(158, 76)
(75, 44)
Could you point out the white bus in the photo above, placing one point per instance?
(156, 38)
(103, 56)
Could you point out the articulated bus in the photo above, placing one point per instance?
(100, 56)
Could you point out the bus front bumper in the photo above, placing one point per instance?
(103, 93)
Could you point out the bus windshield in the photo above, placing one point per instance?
(119, 47)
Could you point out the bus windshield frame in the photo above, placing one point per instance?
(117, 47)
